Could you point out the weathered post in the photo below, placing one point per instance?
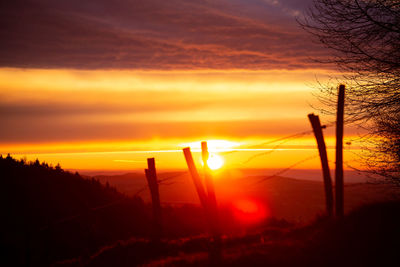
(316, 125)
(212, 201)
(215, 247)
(207, 176)
(195, 177)
(151, 177)
(339, 153)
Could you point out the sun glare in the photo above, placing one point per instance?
(213, 145)
(215, 162)
(249, 211)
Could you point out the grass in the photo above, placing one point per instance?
(368, 236)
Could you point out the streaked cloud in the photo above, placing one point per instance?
(154, 34)
(53, 106)
(67, 105)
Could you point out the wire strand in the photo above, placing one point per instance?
(280, 172)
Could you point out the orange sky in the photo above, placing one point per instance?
(103, 119)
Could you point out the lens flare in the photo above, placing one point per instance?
(249, 211)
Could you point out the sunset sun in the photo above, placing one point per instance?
(215, 162)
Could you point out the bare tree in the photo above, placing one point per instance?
(364, 37)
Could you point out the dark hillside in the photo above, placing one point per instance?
(368, 236)
(49, 214)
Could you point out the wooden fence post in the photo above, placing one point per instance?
(207, 175)
(316, 125)
(195, 177)
(339, 153)
(151, 177)
(212, 201)
(215, 252)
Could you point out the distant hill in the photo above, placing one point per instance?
(287, 198)
(49, 214)
(128, 183)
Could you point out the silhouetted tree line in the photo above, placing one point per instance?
(48, 214)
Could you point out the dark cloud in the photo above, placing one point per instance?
(48, 131)
(50, 109)
(142, 102)
(62, 131)
(153, 34)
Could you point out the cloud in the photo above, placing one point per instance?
(153, 34)
(61, 131)
(71, 105)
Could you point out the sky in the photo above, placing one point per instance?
(101, 84)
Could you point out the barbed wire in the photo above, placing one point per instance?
(273, 149)
(285, 138)
(263, 153)
(282, 171)
(142, 189)
(282, 141)
(160, 182)
(75, 216)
